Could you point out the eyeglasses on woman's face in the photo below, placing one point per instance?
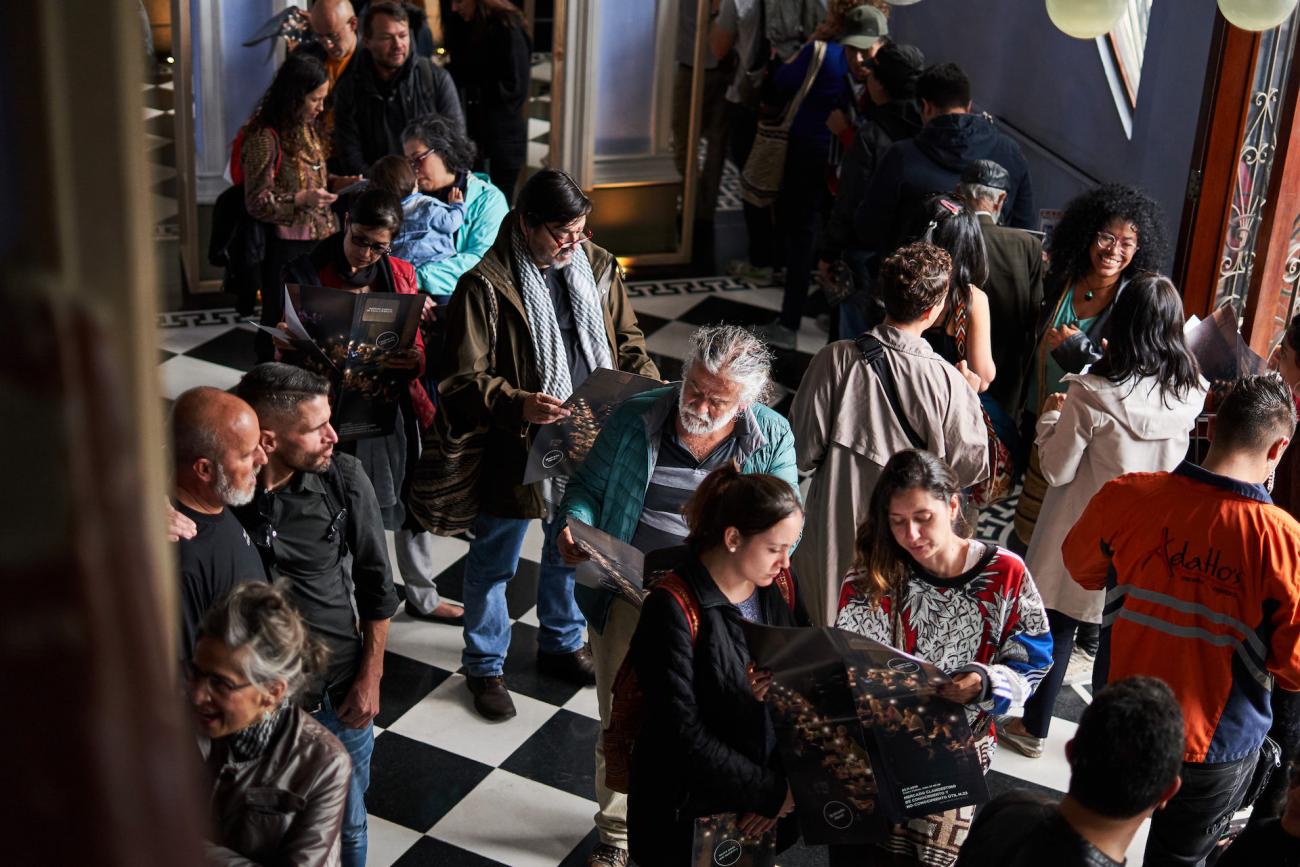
(220, 687)
(1107, 241)
(373, 246)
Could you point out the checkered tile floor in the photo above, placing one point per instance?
(450, 789)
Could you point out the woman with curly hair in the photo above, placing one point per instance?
(922, 585)
(1106, 236)
(281, 163)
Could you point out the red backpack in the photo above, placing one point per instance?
(626, 706)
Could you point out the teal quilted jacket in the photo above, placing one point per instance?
(608, 490)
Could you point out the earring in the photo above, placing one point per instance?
(732, 549)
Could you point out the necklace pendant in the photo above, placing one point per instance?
(1087, 296)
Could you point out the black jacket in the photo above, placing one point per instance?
(706, 745)
(1080, 350)
(1015, 291)
(491, 64)
(370, 114)
(932, 162)
(880, 128)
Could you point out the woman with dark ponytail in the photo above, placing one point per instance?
(920, 584)
(279, 778)
(706, 744)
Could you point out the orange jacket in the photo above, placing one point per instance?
(1202, 591)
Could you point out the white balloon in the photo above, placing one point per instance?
(1086, 19)
(1256, 14)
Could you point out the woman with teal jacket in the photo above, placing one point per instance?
(441, 157)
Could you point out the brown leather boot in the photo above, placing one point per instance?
(576, 667)
(491, 698)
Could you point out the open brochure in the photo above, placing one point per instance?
(719, 843)
(560, 447)
(862, 732)
(1220, 351)
(614, 565)
(363, 343)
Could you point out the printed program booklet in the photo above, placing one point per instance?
(614, 565)
(719, 843)
(864, 736)
(560, 447)
(363, 343)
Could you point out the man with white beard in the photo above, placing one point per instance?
(649, 458)
(217, 448)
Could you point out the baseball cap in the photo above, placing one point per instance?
(863, 26)
(986, 173)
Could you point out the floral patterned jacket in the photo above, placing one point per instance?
(269, 190)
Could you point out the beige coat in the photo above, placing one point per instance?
(845, 431)
(1104, 431)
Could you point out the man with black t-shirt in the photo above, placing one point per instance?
(1124, 764)
(312, 508)
(218, 453)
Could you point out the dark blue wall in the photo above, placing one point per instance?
(1054, 89)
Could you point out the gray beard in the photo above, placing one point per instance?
(227, 492)
(695, 426)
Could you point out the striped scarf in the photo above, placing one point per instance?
(588, 314)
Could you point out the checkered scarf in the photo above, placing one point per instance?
(588, 314)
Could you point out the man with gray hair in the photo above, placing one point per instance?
(649, 458)
(1015, 281)
(217, 453)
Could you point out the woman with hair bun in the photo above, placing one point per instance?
(706, 745)
(279, 778)
(966, 606)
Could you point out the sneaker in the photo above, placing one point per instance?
(491, 698)
(776, 335)
(605, 855)
(1079, 669)
(576, 667)
(1013, 735)
(742, 269)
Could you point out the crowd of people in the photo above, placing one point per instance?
(972, 358)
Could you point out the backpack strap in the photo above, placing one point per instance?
(873, 353)
(336, 498)
(676, 587)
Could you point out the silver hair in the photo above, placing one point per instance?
(260, 618)
(735, 353)
(973, 193)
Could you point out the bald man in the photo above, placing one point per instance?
(216, 443)
(335, 24)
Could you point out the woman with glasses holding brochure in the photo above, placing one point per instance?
(921, 585)
(358, 259)
(706, 745)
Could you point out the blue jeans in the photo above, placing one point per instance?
(359, 743)
(1185, 832)
(493, 558)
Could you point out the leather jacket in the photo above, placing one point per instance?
(283, 807)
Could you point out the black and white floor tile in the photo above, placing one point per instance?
(450, 789)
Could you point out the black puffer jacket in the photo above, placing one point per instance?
(706, 745)
(370, 114)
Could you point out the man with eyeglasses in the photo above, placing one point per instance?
(311, 510)
(387, 87)
(334, 22)
(526, 325)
